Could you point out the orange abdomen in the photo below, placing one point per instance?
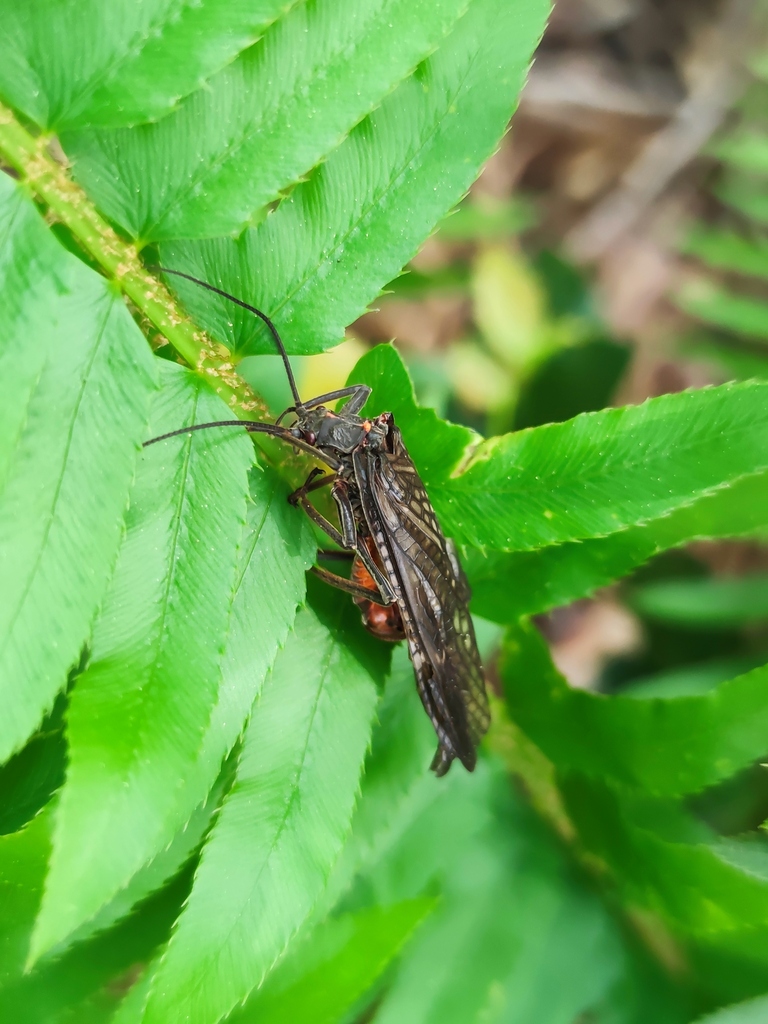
(385, 623)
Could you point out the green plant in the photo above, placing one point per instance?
(214, 793)
(726, 292)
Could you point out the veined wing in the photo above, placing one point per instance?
(433, 599)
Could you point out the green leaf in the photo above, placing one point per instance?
(515, 940)
(120, 63)
(156, 874)
(283, 823)
(435, 446)
(731, 963)
(664, 746)
(692, 680)
(433, 826)
(602, 472)
(466, 837)
(645, 992)
(85, 984)
(705, 604)
(503, 943)
(663, 861)
(723, 308)
(30, 778)
(75, 381)
(506, 585)
(396, 785)
(275, 552)
(261, 123)
(23, 860)
(317, 262)
(138, 714)
(753, 1012)
(323, 977)
(402, 747)
(514, 954)
(396, 789)
(727, 250)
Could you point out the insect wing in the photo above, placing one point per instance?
(434, 597)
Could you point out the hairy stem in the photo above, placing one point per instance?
(29, 155)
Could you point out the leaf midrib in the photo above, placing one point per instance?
(527, 484)
(170, 579)
(297, 785)
(254, 540)
(280, 827)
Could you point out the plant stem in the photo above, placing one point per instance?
(527, 763)
(29, 155)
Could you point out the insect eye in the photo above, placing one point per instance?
(311, 437)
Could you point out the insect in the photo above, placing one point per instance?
(406, 576)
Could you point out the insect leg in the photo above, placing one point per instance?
(349, 529)
(346, 514)
(321, 521)
(347, 538)
(311, 484)
(360, 395)
(341, 583)
(359, 392)
(385, 590)
(304, 446)
(336, 556)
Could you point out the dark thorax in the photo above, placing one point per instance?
(339, 433)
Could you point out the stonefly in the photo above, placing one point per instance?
(406, 577)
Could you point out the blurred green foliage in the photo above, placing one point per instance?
(725, 290)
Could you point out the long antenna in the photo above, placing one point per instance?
(250, 426)
(255, 428)
(251, 309)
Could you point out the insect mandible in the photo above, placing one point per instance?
(406, 576)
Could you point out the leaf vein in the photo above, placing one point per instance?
(378, 198)
(254, 128)
(172, 572)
